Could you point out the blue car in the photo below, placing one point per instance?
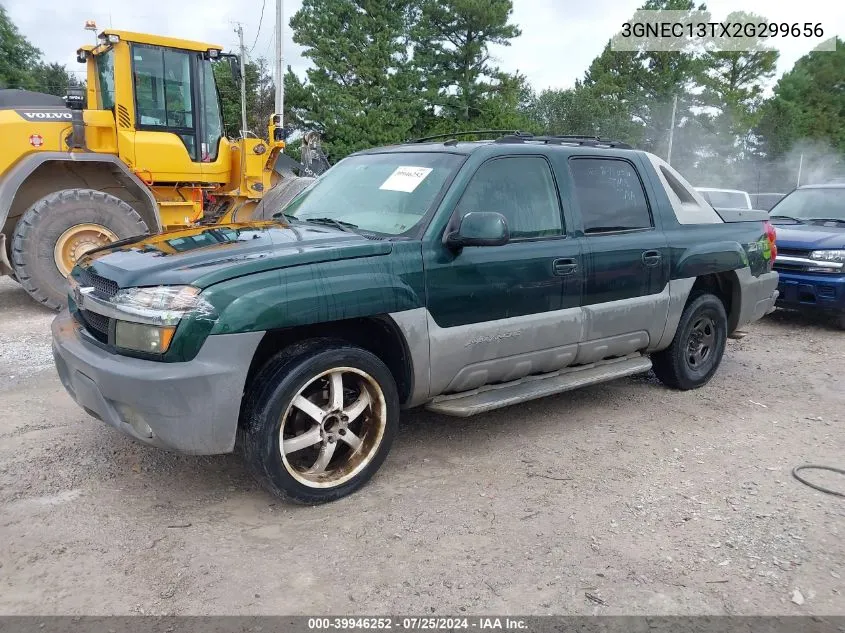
(810, 224)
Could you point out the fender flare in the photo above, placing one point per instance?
(710, 259)
(16, 176)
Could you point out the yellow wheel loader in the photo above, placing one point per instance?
(140, 150)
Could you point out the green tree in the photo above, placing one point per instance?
(51, 78)
(265, 99)
(230, 98)
(452, 51)
(645, 83)
(582, 110)
(361, 90)
(17, 55)
(733, 82)
(21, 65)
(808, 104)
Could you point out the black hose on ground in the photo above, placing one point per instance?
(816, 486)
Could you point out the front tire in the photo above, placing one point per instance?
(60, 228)
(318, 420)
(697, 349)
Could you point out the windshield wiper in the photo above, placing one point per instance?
(827, 220)
(786, 217)
(340, 224)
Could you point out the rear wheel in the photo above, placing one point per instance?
(697, 349)
(319, 420)
(58, 229)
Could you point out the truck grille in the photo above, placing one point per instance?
(793, 252)
(104, 288)
(789, 266)
(95, 324)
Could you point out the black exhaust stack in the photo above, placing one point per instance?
(75, 101)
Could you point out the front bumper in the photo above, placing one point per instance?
(190, 407)
(812, 291)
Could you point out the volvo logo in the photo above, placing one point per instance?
(46, 116)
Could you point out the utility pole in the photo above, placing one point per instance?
(800, 164)
(672, 130)
(280, 60)
(240, 32)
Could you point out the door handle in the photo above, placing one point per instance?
(652, 258)
(564, 266)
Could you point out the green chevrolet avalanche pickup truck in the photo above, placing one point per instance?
(456, 276)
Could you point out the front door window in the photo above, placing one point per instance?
(164, 93)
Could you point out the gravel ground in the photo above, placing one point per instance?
(625, 498)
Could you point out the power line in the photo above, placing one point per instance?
(260, 20)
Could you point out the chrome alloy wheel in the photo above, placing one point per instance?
(333, 427)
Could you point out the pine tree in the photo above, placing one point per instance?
(361, 90)
(808, 104)
(645, 83)
(453, 54)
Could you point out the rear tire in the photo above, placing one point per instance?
(52, 219)
(697, 349)
(300, 442)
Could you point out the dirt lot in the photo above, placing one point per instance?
(622, 498)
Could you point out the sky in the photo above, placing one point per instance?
(559, 37)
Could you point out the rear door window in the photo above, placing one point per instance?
(610, 195)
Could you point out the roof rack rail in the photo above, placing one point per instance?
(560, 139)
(452, 135)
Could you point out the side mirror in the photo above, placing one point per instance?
(480, 229)
(235, 67)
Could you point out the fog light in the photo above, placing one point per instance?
(135, 420)
(151, 339)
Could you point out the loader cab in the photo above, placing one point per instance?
(164, 99)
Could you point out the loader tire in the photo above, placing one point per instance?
(60, 227)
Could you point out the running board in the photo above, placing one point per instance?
(489, 397)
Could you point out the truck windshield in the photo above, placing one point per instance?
(812, 204)
(381, 193)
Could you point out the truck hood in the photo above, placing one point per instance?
(809, 236)
(207, 255)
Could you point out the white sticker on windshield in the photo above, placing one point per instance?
(405, 179)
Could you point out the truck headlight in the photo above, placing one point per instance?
(140, 337)
(161, 305)
(829, 256)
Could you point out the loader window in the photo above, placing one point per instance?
(212, 121)
(105, 76)
(163, 92)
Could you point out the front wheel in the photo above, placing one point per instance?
(319, 420)
(697, 349)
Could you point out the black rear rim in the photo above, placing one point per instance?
(701, 345)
